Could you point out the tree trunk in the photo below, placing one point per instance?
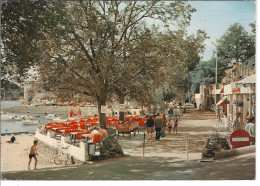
(102, 116)
(121, 113)
(150, 110)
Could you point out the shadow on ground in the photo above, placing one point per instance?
(136, 168)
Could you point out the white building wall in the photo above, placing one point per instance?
(80, 153)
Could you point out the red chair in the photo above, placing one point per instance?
(75, 130)
(79, 135)
(67, 131)
(83, 126)
(142, 123)
(103, 135)
(96, 138)
(109, 123)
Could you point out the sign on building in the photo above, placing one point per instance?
(235, 90)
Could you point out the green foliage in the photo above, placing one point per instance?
(23, 27)
(96, 47)
(10, 90)
(30, 97)
(204, 73)
(236, 44)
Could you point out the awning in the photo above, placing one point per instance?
(221, 102)
(248, 80)
(218, 91)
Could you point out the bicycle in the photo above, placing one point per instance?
(63, 158)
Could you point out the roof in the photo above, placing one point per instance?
(250, 61)
(248, 80)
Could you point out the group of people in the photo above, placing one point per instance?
(160, 124)
(249, 125)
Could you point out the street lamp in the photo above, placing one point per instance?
(216, 73)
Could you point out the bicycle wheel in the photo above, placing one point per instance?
(59, 160)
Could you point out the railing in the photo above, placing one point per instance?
(243, 70)
(242, 73)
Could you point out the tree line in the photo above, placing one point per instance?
(235, 45)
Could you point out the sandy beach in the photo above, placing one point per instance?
(14, 157)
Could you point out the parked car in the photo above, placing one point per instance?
(189, 105)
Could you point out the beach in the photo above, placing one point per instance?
(15, 156)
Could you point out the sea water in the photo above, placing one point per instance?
(7, 104)
(13, 126)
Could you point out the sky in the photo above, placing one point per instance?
(214, 17)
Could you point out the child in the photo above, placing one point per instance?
(33, 154)
(175, 124)
(164, 119)
(170, 125)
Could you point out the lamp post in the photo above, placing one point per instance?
(216, 73)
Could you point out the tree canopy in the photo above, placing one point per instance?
(99, 48)
(236, 44)
(204, 73)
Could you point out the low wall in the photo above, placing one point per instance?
(235, 152)
(80, 153)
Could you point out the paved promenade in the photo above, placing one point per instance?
(165, 160)
(136, 168)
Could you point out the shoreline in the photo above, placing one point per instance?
(17, 133)
(59, 110)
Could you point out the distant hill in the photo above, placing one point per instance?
(10, 90)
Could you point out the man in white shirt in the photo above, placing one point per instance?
(250, 128)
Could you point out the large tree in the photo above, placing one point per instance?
(236, 45)
(204, 73)
(183, 53)
(22, 27)
(80, 53)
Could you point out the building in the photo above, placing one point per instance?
(236, 93)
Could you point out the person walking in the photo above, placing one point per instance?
(236, 124)
(150, 127)
(170, 125)
(250, 128)
(158, 127)
(32, 154)
(170, 112)
(177, 112)
(164, 119)
(176, 120)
